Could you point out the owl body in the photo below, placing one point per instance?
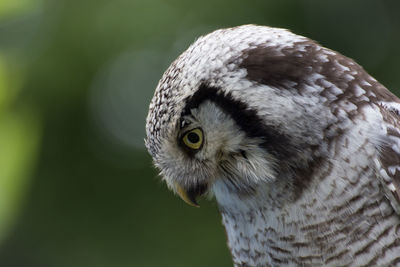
(342, 219)
(298, 144)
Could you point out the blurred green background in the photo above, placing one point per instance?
(77, 187)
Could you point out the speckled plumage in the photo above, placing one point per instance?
(301, 148)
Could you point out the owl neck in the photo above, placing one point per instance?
(252, 224)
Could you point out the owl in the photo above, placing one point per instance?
(298, 144)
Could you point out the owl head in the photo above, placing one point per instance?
(248, 106)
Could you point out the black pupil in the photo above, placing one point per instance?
(193, 138)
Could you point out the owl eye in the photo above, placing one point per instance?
(193, 139)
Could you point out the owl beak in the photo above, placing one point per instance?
(190, 195)
(186, 196)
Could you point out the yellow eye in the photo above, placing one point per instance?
(193, 139)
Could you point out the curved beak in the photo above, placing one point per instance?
(189, 196)
(185, 196)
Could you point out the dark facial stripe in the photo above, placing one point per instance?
(247, 119)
